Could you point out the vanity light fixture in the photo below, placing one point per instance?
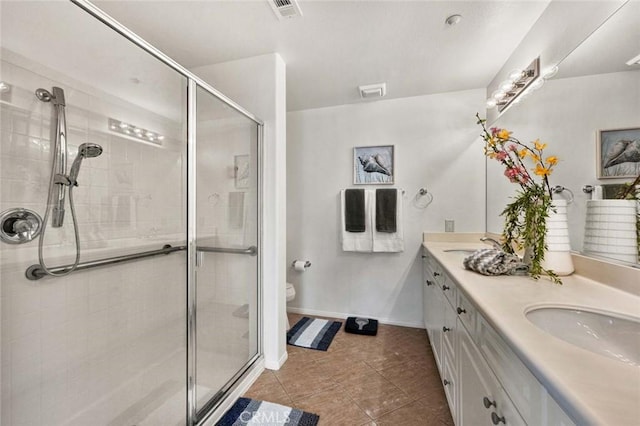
(135, 131)
(516, 85)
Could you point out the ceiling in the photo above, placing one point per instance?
(338, 45)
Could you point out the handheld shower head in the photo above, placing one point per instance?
(86, 150)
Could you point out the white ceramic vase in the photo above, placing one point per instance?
(610, 229)
(557, 257)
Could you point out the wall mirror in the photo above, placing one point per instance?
(595, 93)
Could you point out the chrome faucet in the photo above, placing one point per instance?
(496, 244)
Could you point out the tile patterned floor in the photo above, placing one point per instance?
(389, 379)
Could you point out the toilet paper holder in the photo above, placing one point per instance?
(306, 263)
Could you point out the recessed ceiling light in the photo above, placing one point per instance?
(634, 61)
(453, 20)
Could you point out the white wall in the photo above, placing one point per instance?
(437, 147)
(259, 85)
(567, 114)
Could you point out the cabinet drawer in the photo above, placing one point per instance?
(467, 314)
(525, 391)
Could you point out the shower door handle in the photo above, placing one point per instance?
(251, 250)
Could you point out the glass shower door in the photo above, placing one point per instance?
(226, 246)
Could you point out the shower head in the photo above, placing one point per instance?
(86, 150)
(89, 150)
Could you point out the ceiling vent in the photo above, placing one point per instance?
(372, 91)
(286, 9)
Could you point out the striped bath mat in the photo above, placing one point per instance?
(248, 411)
(313, 333)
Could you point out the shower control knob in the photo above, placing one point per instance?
(18, 226)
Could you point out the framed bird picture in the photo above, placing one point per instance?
(618, 153)
(373, 165)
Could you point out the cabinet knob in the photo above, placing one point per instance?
(488, 403)
(445, 329)
(429, 282)
(446, 382)
(461, 311)
(424, 257)
(445, 287)
(436, 274)
(496, 419)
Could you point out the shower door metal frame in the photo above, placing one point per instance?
(193, 81)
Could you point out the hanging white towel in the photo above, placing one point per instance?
(386, 241)
(358, 241)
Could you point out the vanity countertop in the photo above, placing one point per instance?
(591, 388)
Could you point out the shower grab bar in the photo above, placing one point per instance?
(252, 250)
(35, 272)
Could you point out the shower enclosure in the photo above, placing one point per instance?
(141, 304)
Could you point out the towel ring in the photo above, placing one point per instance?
(418, 200)
(559, 189)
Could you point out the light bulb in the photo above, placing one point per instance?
(550, 72)
(124, 126)
(506, 86)
(491, 103)
(516, 75)
(498, 94)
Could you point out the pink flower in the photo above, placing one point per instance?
(513, 147)
(502, 155)
(494, 131)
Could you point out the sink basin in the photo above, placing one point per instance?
(601, 333)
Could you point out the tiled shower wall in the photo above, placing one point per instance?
(104, 345)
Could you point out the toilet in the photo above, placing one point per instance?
(291, 294)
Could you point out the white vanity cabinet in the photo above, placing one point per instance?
(484, 380)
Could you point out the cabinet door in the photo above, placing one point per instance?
(436, 322)
(482, 400)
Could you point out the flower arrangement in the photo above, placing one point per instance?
(525, 217)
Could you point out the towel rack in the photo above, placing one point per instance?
(559, 189)
(422, 192)
(35, 272)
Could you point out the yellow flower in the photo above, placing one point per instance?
(492, 141)
(553, 160)
(542, 171)
(492, 155)
(535, 158)
(504, 134)
(539, 146)
(522, 153)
